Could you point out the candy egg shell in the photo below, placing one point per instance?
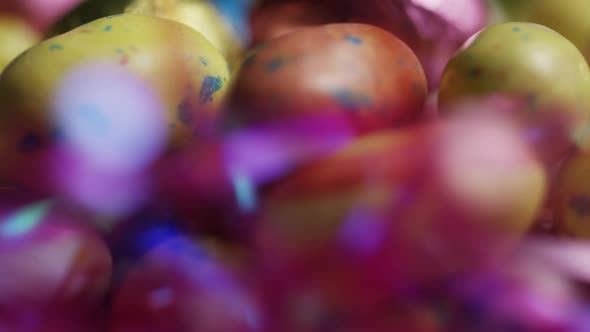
(200, 15)
(433, 29)
(186, 73)
(567, 18)
(502, 186)
(141, 43)
(16, 35)
(524, 60)
(326, 69)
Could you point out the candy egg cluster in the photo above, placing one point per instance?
(294, 166)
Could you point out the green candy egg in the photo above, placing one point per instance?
(569, 18)
(524, 60)
(186, 73)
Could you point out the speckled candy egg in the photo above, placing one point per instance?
(185, 72)
(201, 15)
(569, 18)
(358, 71)
(433, 29)
(524, 60)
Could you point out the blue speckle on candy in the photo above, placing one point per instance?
(274, 65)
(210, 86)
(350, 100)
(55, 47)
(108, 28)
(353, 39)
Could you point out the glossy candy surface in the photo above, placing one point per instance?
(567, 18)
(176, 76)
(525, 60)
(201, 15)
(433, 29)
(356, 71)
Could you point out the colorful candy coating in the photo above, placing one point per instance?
(185, 72)
(201, 15)
(524, 60)
(502, 185)
(433, 29)
(325, 69)
(567, 18)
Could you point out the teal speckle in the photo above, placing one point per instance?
(210, 86)
(56, 47)
(111, 16)
(204, 61)
(274, 65)
(120, 51)
(25, 219)
(108, 28)
(353, 39)
(351, 101)
(515, 29)
(525, 37)
(245, 191)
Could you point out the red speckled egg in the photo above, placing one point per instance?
(358, 71)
